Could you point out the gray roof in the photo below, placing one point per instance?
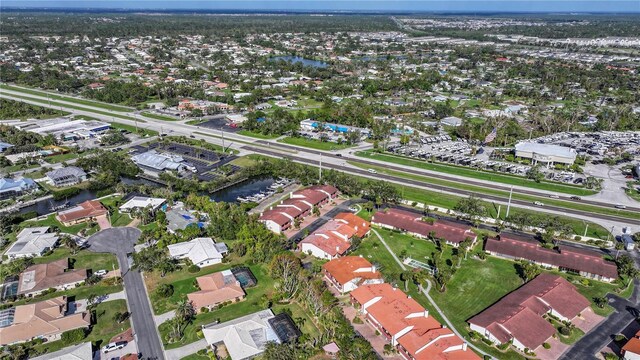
(33, 241)
(66, 172)
(179, 219)
(158, 161)
(547, 149)
(81, 351)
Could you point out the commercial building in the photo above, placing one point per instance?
(348, 272)
(407, 325)
(10, 188)
(84, 212)
(32, 242)
(519, 316)
(66, 176)
(54, 275)
(299, 205)
(44, 320)
(587, 263)
(546, 154)
(201, 251)
(245, 337)
(153, 163)
(66, 128)
(215, 289)
(450, 232)
(333, 239)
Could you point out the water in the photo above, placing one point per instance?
(305, 62)
(245, 188)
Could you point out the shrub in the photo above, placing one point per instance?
(577, 238)
(193, 269)
(357, 320)
(546, 345)
(620, 338)
(204, 309)
(73, 336)
(165, 290)
(199, 334)
(565, 331)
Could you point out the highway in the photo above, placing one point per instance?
(330, 160)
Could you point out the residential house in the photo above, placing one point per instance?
(44, 320)
(407, 325)
(299, 205)
(84, 212)
(631, 350)
(587, 263)
(54, 275)
(245, 337)
(452, 233)
(215, 289)
(67, 176)
(10, 188)
(82, 351)
(333, 239)
(31, 242)
(180, 219)
(201, 251)
(519, 316)
(142, 202)
(4, 146)
(348, 272)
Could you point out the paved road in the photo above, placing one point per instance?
(344, 207)
(120, 241)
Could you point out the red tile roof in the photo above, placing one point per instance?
(565, 257)
(276, 216)
(519, 314)
(329, 243)
(314, 197)
(412, 222)
(359, 224)
(632, 346)
(87, 209)
(348, 268)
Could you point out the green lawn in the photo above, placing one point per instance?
(51, 221)
(479, 174)
(314, 144)
(68, 99)
(249, 305)
(418, 249)
(158, 116)
(256, 134)
(120, 219)
(180, 290)
(60, 158)
(195, 357)
(81, 292)
(141, 131)
(633, 190)
(243, 161)
(83, 259)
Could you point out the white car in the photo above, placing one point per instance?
(372, 171)
(554, 196)
(101, 272)
(114, 346)
(619, 206)
(538, 203)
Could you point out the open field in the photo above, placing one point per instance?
(479, 174)
(313, 144)
(93, 103)
(158, 116)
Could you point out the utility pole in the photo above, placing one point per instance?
(135, 119)
(499, 208)
(320, 176)
(586, 227)
(222, 132)
(509, 204)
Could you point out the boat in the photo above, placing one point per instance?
(62, 206)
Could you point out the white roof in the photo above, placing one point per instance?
(244, 337)
(547, 149)
(76, 352)
(142, 202)
(197, 250)
(32, 241)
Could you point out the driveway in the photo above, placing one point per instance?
(319, 221)
(120, 241)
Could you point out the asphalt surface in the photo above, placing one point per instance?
(626, 311)
(120, 241)
(344, 207)
(439, 187)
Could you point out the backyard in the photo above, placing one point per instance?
(84, 259)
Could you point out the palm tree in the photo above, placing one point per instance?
(67, 241)
(185, 310)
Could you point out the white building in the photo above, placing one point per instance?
(545, 153)
(142, 202)
(201, 251)
(32, 242)
(244, 337)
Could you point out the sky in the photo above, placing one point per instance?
(623, 6)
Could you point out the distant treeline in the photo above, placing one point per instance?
(118, 24)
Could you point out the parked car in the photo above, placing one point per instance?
(538, 203)
(101, 272)
(114, 346)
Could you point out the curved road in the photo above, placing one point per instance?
(120, 241)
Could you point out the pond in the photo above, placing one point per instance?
(298, 59)
(230, 194)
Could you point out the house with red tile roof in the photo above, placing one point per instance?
(299, 205)
(348, 272)
(411, 223)
(631, 350)
(407, 325)
(587, 263)
(333, 239)
(519, 316)
(83, 212)
(216, 289)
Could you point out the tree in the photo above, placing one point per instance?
(619, 246)
(73, 336)
(67, 241)
(286, 267)
(600, 301)
(527, 270)
(535, 174)
(92, 302)
(165, 290)
(185, 310)
(472, 207)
